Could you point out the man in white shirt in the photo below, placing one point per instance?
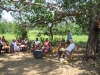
(36, 42)
(70, 47)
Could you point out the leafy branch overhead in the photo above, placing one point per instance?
(39, 13)
(42, 12)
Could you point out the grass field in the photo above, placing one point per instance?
(32, 36)
(78, 39)
(81, 39)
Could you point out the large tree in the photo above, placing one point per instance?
(42, 12)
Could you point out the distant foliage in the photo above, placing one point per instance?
(20, 32)
(6, 27)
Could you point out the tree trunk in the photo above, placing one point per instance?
(92, 42)
(24, 34)
(51, 33)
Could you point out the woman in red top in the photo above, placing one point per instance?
(46, 46)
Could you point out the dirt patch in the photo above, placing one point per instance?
(23, 63)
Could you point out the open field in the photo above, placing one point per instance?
(33, 36)
(78, 39)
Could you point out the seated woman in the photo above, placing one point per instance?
(16, 47)
(6, 46)
(23, 45)
(46, 46)
(67, 50)
(16, 40)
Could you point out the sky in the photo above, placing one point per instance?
(7, 16)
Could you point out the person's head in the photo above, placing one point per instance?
(46, 39)
(3, 37)
(68, 32)
(36, 39)
(13, 40)
(16, 38)
(71, 41)
(62, 42)
(25, 38)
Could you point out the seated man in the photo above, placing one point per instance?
(37, 52)
(68, 50)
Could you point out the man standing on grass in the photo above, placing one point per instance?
(69, 36)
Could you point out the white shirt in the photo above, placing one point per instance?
(12, 43)
(70, 47)
(0, 41)
(15, 45)
(37, 42)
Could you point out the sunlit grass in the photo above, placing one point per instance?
(8, 36)
(81, 39)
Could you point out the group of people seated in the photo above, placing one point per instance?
(63, 48)
(45, 48)
(16, 45)
(19, 45)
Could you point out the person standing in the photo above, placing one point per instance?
(69, 36)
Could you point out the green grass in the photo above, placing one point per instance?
(8, 37)
(83, 38)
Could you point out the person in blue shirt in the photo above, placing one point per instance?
(69, 36)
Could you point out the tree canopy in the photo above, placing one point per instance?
(42, 12)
